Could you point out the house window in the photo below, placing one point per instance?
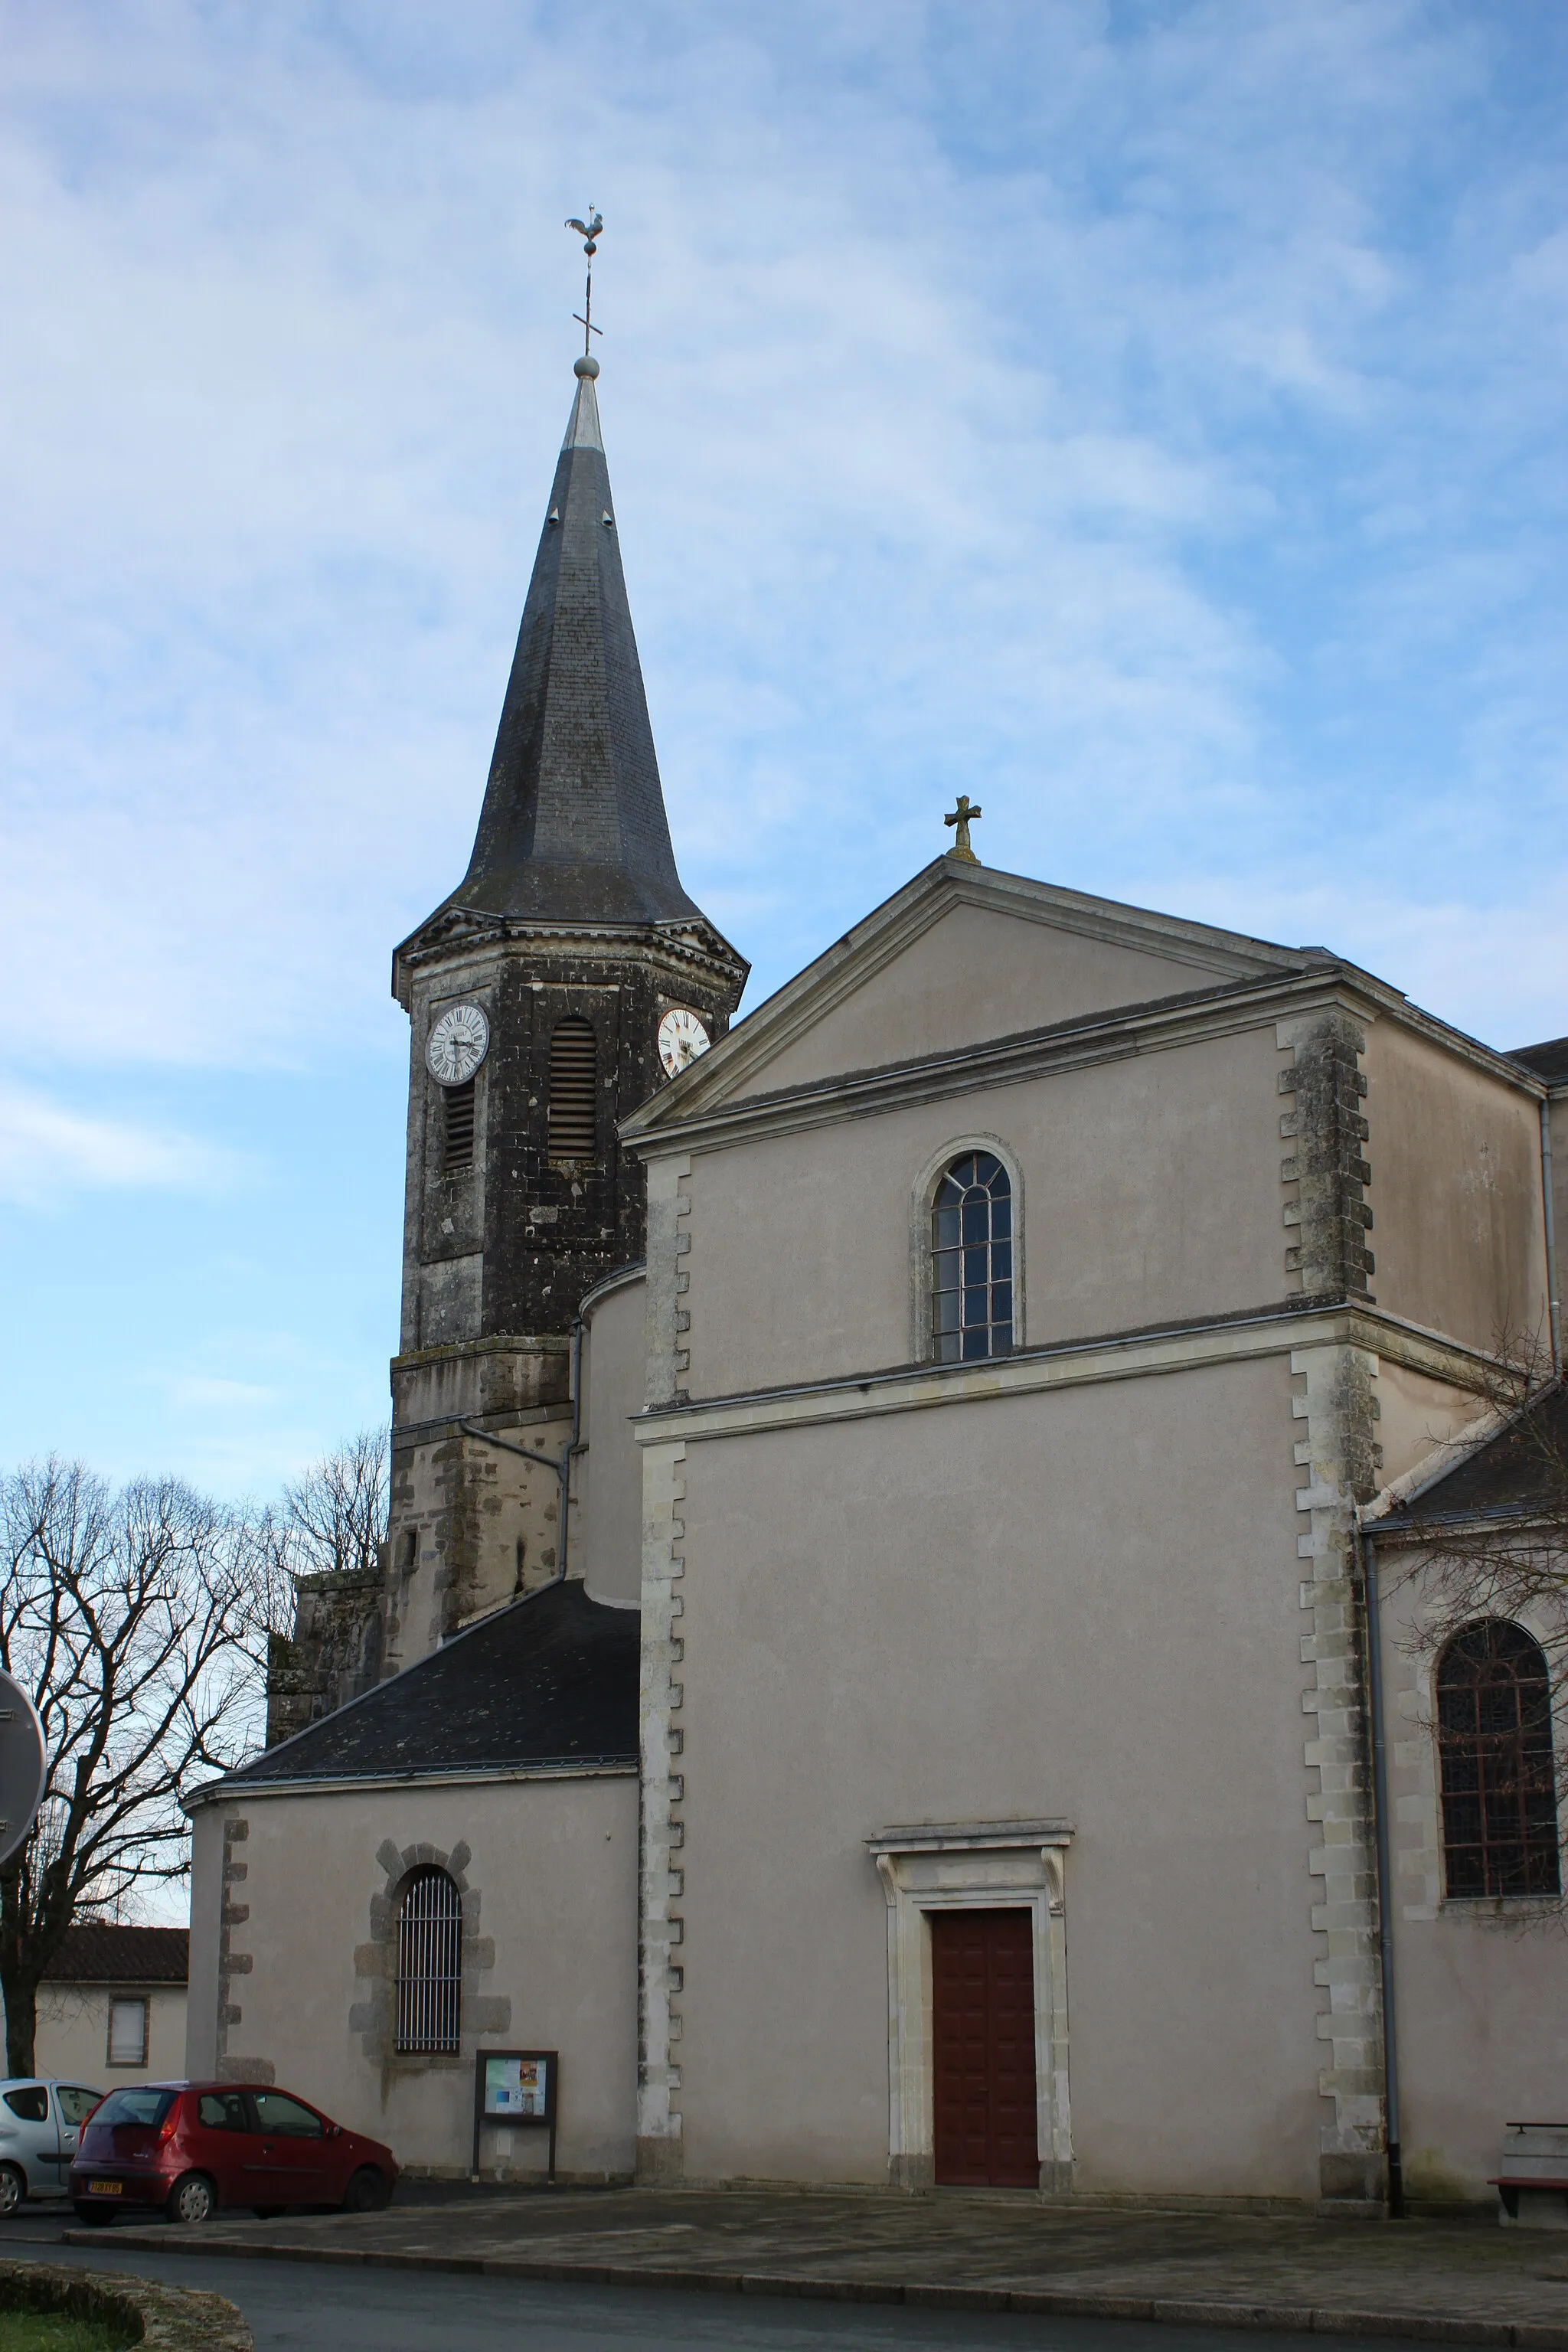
(574, 1089)
(1494, 1743)
(458, 1126)
(429, 1963)
(971, 1261)
(128, 2032)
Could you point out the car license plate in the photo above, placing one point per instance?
(105, 2188)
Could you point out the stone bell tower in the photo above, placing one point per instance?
(547, 997)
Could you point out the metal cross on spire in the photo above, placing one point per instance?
(962, 817)
(589, 231)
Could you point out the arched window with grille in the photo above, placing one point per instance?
(1494, 1743)
(972, 1260)
(429, 1963)
(574, 1091)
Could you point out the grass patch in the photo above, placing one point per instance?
(52, 2331)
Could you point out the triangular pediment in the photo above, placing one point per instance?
(962, 956)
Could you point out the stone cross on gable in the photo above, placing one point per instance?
(961, 817)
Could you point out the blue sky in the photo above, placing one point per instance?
(1147, 418)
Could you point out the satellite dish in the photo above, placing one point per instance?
(24, 1762)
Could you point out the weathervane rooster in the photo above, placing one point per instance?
(588, 230)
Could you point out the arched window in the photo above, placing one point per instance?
(574, 1091)
(429, 1962)
(971, 1261)
(1494, 1742)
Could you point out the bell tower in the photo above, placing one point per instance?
(548, 995)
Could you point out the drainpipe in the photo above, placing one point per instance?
(1553, 1308)
(561, 1464)
(1368, 1550)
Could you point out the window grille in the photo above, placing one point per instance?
(574, 1089)
(429, 1963)
(1494, 1743)
(458, 1126)
(971, 1261)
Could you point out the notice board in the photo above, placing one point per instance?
(518, 2088)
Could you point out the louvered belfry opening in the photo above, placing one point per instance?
(429, 1963)
(458, 1126)
(574, 1089)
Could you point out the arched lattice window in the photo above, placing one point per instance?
(1494, 1741)
(574, 1090)
(971, 1261)
(429, 1963)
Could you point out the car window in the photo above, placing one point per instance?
(76, 2103)
(222, 2111)
(277, 2113)
(145, 2105)
(32, 2104)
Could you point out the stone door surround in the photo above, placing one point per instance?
(978, 1865)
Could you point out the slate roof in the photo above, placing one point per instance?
(1549, 1061)
(1508, 1476)
(551, 1680)
(122, 1956)
(573, 826)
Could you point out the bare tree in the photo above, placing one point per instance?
(323, 1542)
(333, 1519)
(138, 1619)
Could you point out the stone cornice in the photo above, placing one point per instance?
(235, 1788)
(1161, 1026)
(1007, 1061)
(1134, 1355)
(969, 1837)
(677, 949)
(890, 929)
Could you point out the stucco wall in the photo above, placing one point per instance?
(1083, 1604)
(607, 1535)
(1455, 1190)
(552, 1864)
(975, 974)
(73, 2034)
(1416, 1416)
(1557, 1115)
(1151, 1191)
(1481, 1986)
(207, 1917)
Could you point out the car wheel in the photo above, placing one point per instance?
(13, 2190)
(192, 2199)
(368, 2191)
(93, 2215)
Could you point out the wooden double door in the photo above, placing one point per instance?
(982, 2037)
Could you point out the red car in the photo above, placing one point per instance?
(187, 2148)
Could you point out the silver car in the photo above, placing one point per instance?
(40, 2122)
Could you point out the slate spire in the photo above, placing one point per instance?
(573, 827)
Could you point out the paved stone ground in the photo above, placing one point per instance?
(1462, 2281)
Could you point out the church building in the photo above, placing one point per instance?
(902, 1651)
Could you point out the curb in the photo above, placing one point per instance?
(1279, 2318)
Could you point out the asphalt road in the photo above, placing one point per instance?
(318, 2307)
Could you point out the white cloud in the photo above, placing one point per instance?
(937, 462)
(1123, 417)
(47, 1152)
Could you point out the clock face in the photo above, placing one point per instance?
(457, 1044)
(681, 1037)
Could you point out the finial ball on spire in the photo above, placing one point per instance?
(585, 365)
